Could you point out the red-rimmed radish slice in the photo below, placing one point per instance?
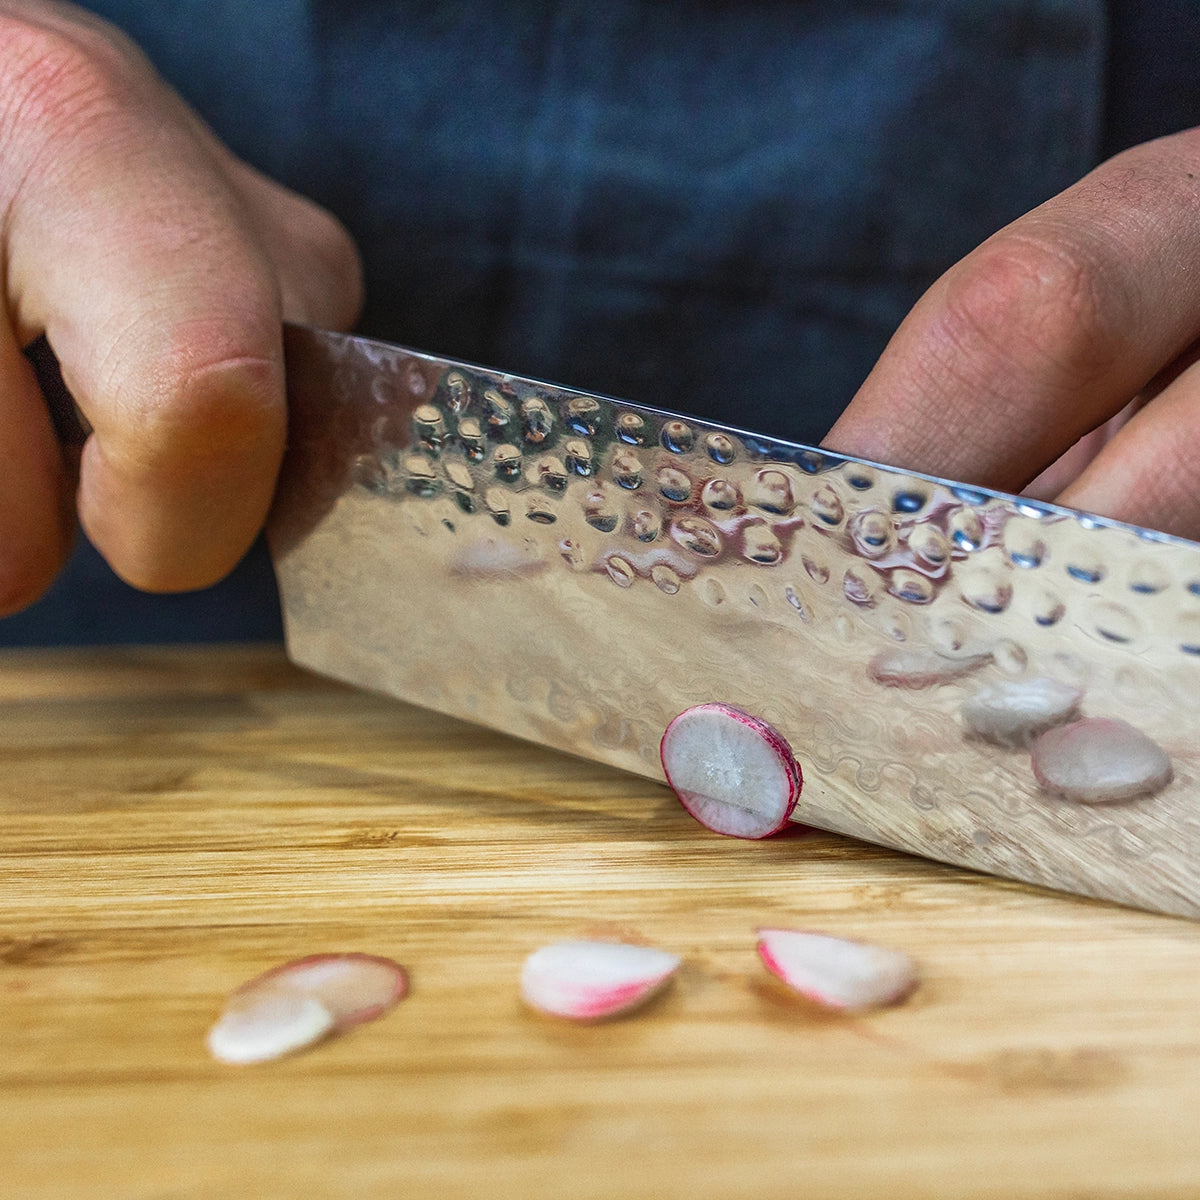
(732, 771)
(1099, 760)
(300, 1002)
(588, 981)
(354, 987)
(1014, 711)
(837, 973)
(269, 1026)
(922, 667)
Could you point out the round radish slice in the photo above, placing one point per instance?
(300, 1002)
(269, 1026)
(1014, 711)
(354, 987)
(916, 668)
(1099, 760)
(588, 981)
(836, 973)
(734, 773)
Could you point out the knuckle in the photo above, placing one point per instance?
(56, 79)
(232, 399)
(207, 395)
(1037, 307)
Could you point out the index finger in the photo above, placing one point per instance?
(1045, 331)
(127, 247)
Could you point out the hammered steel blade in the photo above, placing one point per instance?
(576, 571)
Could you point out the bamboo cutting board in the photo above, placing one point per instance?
(174, 821)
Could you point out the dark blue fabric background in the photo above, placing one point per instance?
(722, 208)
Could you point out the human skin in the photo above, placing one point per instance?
(1082, 315)
(160, 269)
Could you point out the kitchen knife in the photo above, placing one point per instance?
(577, 571)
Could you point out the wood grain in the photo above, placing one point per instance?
(172, 821)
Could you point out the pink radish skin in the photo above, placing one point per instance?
(354, 987)
(846, 976)
(592, 981)
(301, 1002)
(1099, 760)
(732, 771)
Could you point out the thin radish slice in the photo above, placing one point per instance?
(272, 1025)
(588, 981)
(353, 987)
(300, 1002)
(921, 667)
(733, 772)
(1015, 711)
(837, 973)
(1099, 760)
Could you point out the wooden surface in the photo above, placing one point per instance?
(174, 821)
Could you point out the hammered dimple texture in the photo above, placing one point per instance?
(578, 571)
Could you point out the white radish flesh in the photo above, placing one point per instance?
(1015, 711)
(733, 772)
(847, 976)
(300, 1002)
(354, 987)
(589, 981)
(272, 1025)
(1099, 760)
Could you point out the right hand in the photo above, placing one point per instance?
(160, 269)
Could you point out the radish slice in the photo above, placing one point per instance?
(1015, 711)
(354, 987)
(275, 1024)
(922, 668)
(300, 1002)
(588, 981)
(844, 975)
(734, 773)
(1099, 760)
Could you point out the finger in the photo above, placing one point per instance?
(1045, 331)
(1063, 472)
(36, 515)
(127, 247)
(1147, 474)
(315, 260)
(1069, 466)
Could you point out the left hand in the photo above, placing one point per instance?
(1082, 316)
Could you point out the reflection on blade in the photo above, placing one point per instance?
(577, 571)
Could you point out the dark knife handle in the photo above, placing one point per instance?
(70, 425)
